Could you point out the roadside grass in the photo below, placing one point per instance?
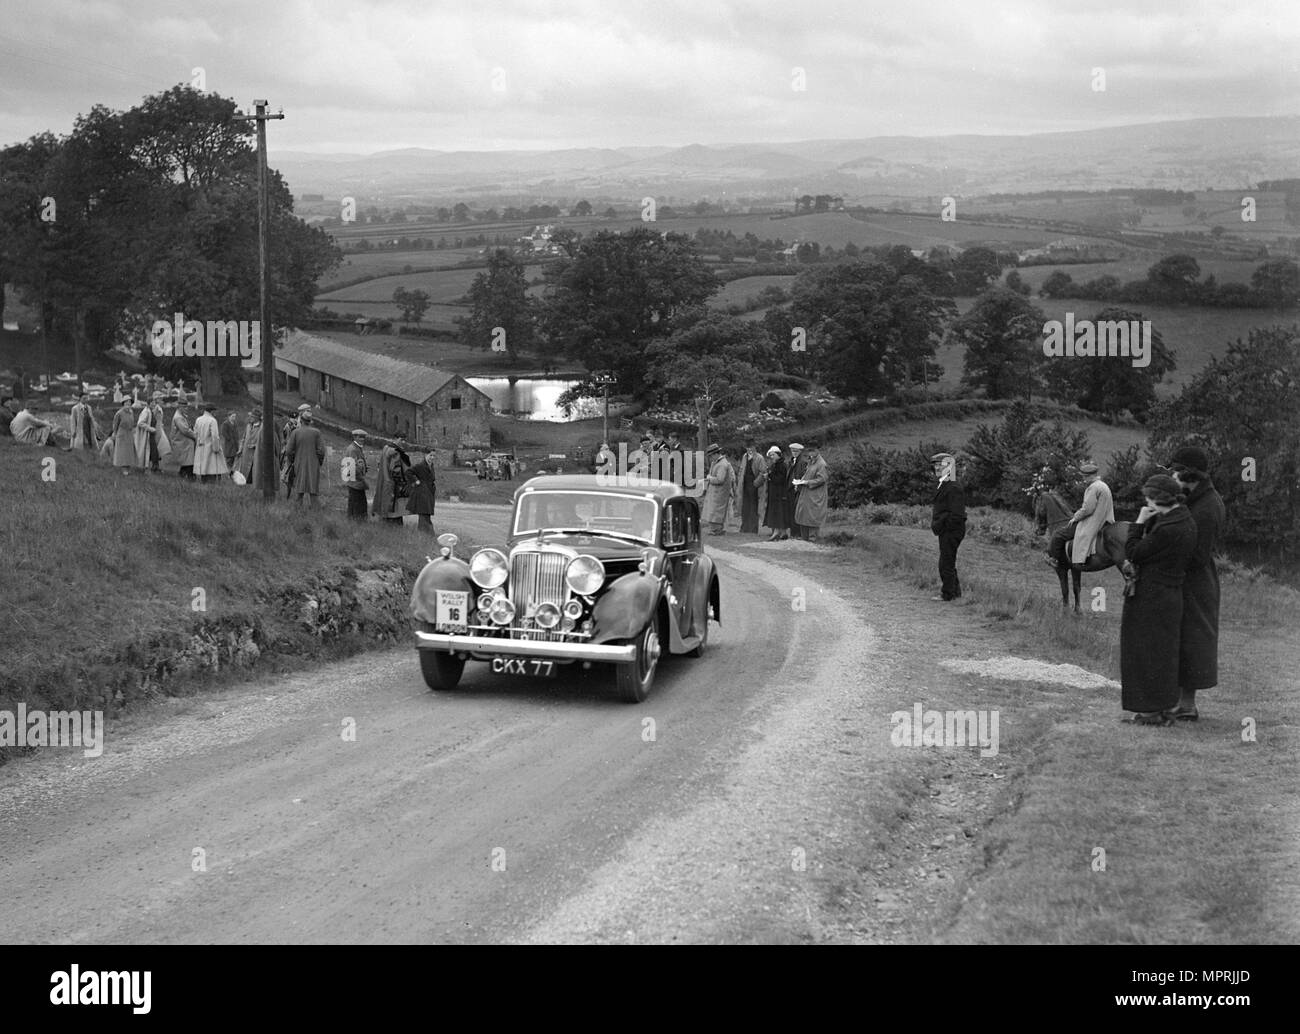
(1197, 822)
(104, 573)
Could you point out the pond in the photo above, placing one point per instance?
(534, 398)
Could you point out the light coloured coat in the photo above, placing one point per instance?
(720, 491)
(182, 439)
(1097, 511)
(810, 506)
(208, 455)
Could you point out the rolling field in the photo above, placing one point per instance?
(392, 263)
(747, 287)
(1135, 267)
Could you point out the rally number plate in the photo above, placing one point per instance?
(533, 667)
(451, 611)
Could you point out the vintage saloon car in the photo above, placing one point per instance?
(591, 573)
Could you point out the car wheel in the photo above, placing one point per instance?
(636, 677)
(441, 670)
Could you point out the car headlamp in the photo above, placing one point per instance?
(585, 574)
(488, 568)
(573, 610)
(547, 616)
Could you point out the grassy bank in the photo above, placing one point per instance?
(1196, 821)
(119, 588)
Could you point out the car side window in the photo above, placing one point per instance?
(692, 522)
(674, 525)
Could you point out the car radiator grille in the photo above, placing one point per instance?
(537, 578)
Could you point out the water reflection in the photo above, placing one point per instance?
(533, 398)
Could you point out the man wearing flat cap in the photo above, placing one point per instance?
(1198, 653)
(354, 475)
(948, 522)
(721, 487)
(1096, 511)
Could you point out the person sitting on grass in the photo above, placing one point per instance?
(30, 429)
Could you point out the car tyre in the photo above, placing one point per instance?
(698, 651)
(636, 677)
(441, 670)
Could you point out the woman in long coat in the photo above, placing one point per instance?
(1160, 543)
(810, 506)
(776, 479)
(143, 435)
(1198, 653)
(423, 489)
(124, 438)
(393, 465)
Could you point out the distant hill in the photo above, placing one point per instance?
(1198, 154)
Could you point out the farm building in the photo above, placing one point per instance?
(430, 406)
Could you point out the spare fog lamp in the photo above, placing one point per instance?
(566, 624)
(573, 610)
(547, 616)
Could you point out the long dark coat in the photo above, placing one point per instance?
(1198, 652)
(780, 506)
(948, 510)
(306, 451)
(421, 498)
(1149, 628)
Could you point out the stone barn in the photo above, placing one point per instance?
(428, 405)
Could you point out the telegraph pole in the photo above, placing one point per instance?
(266, 446)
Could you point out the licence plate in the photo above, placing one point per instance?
(533, 667)
(451, 611)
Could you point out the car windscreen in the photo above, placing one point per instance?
(587, 511)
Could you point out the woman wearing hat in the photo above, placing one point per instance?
(145, 450)
(124, 437)
(1198, 651)
(1160, 543)
(777, 480)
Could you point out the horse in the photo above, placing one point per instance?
(1110, 553)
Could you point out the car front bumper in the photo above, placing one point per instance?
(481, 647)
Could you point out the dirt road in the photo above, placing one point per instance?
(508, 809)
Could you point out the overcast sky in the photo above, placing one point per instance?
(498, 74)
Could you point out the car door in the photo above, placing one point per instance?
(681, 559)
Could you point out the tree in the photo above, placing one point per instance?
(460, 213)
(868, 328)
(709, 363)
(1015, 283)
(610, 213)
(1057, 285)
(501, 313)
(1175, 276)
(1002, 335)
(1110, 384)
(1243, 408)
(1278, 280)
(414, 304)
(974, 269)
(583, 207)
(617, 294)
(1004, 459)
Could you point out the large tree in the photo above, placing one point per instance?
(1110, 384)
(501, 314)
(709, 364)
(1244, 409)
(868, 330)
(1002, 335)
(619, 293)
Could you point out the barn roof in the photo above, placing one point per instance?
(410, 381)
